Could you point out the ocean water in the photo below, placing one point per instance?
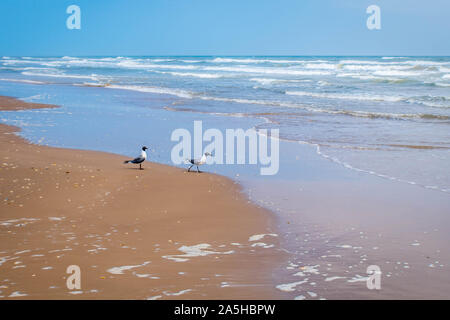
(385, 116)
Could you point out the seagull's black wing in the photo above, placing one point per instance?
(138, 160)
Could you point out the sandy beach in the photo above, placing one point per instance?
(159, 233)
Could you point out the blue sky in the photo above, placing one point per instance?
(226, 27)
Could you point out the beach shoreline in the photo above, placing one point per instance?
(160, 233)
(331, 222)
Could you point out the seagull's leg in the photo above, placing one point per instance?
(198, 170)
(140, 166)
(189, 170)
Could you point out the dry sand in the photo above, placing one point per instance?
(156, 233)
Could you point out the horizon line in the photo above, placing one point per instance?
(222, 55)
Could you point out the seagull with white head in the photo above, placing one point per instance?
(198, 162)
(140, 159)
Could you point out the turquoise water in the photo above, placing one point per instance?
(386, 116)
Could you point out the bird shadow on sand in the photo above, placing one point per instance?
(194, 171)
(143, 169)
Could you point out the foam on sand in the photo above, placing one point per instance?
(75, 292)
(263, 245)
(17, 294)
(333, 278)
(179, 293)
(257, 237)
(21, 222)
(310, 269)
(7, 258)
(199, 250)
(23, 251)
(289, 287)
(120, 270)
(358, 278)
(56, 218)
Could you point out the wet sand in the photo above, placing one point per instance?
(337, 222)
(158, 233)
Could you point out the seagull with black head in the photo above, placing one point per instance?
(140, 159)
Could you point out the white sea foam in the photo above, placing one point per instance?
(442, 84)
(408, 62)
(191, 61)
(174, 92)
(23, 81)
(257, 237)
(120, 270)
(248, 60)
(375, 67)
(134, 64)
(56, 218)
(75, 292)
(384, 176)
(366, 62)
(310, 269)
(345, 246)
(323, 66)
(263, 245)
(179, 293)
(266, 81)
(60, 75)
(7, 258)
(358, 278)
(354, 113)
(162, 60)
(366, 97)
(21, 222)
(17, 294)
(289, 287)
(269, 70)
(396, 73)
(23, 251)
(195, 75)
(199, 250)
(333, 278)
